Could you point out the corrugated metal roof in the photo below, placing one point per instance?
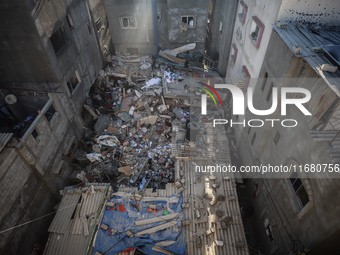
(60, 223)
(68, 234)
(306, 39)
(4, 139)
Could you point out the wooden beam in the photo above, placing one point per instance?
(156, 219)
(165, 243)
(159, 249)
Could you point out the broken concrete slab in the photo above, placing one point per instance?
(149, 120)
(102, 123)
(125, 170)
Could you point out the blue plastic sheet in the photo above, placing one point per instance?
(123, 221)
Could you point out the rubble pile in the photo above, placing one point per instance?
(127, 140)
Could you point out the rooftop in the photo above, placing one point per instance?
(318, 45)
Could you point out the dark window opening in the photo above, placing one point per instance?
(132, 50)
(35, 134)
(69, 20)
(256, 31)
(128, 22)
(188, 20)
(98, 25)
(299, 189)
(58, 40)
(50, 112)
(253, 139)
(242, 11)
(264, 82)
(73, 82)
(234, 52)
(268, 229)
(276, 137)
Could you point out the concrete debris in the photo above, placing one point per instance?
(128, 126)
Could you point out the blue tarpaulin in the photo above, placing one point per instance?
(121, 218)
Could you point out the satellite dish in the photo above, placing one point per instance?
(11, 99)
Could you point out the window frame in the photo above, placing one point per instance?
(248, 76)
(234, 56)
(268, 229)
(253, 138)
(242, 15)
(50, 114)
(58, 49)
(264, 82)
(256, 27)
(296, 191)
(277, 137)
(69, 86)
(187, 24)
(69, 20)
(121, 22)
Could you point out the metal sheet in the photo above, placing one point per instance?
(333, 51)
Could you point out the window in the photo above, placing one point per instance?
(69, 20)
(35, 134)
(188, 20)
(276, 137)
(234, 52)
(246, 74)
(270, 92)
(268, 229)
(242, 11)
(253, 139)
(58, 40)
(132, 50)
(256, 31)
(128, 22)
(264, 81)
(299, 190)
(50, 113)
(73, 82)
(98, 25)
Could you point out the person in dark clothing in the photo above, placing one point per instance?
(186, 63)
(153, 58)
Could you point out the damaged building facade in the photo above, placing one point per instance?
(100, 143)
(50, 57)
(292, 211)
(144, 27)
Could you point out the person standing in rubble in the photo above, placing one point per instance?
(153, 63)
(186, 65)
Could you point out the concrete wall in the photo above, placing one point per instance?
(140, 37)
(101, 26)
(23, 58)
(223, 12)
(275, 201)
(33, 172)
(318, 218)
(319, 12)
(176, 37)
(81, 52)
(248, 54)
(169, 34)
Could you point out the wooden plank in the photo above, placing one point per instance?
(159, 249)
(165, 243)
(156, 219)
(157, 228)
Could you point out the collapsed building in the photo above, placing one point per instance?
(116, 142)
